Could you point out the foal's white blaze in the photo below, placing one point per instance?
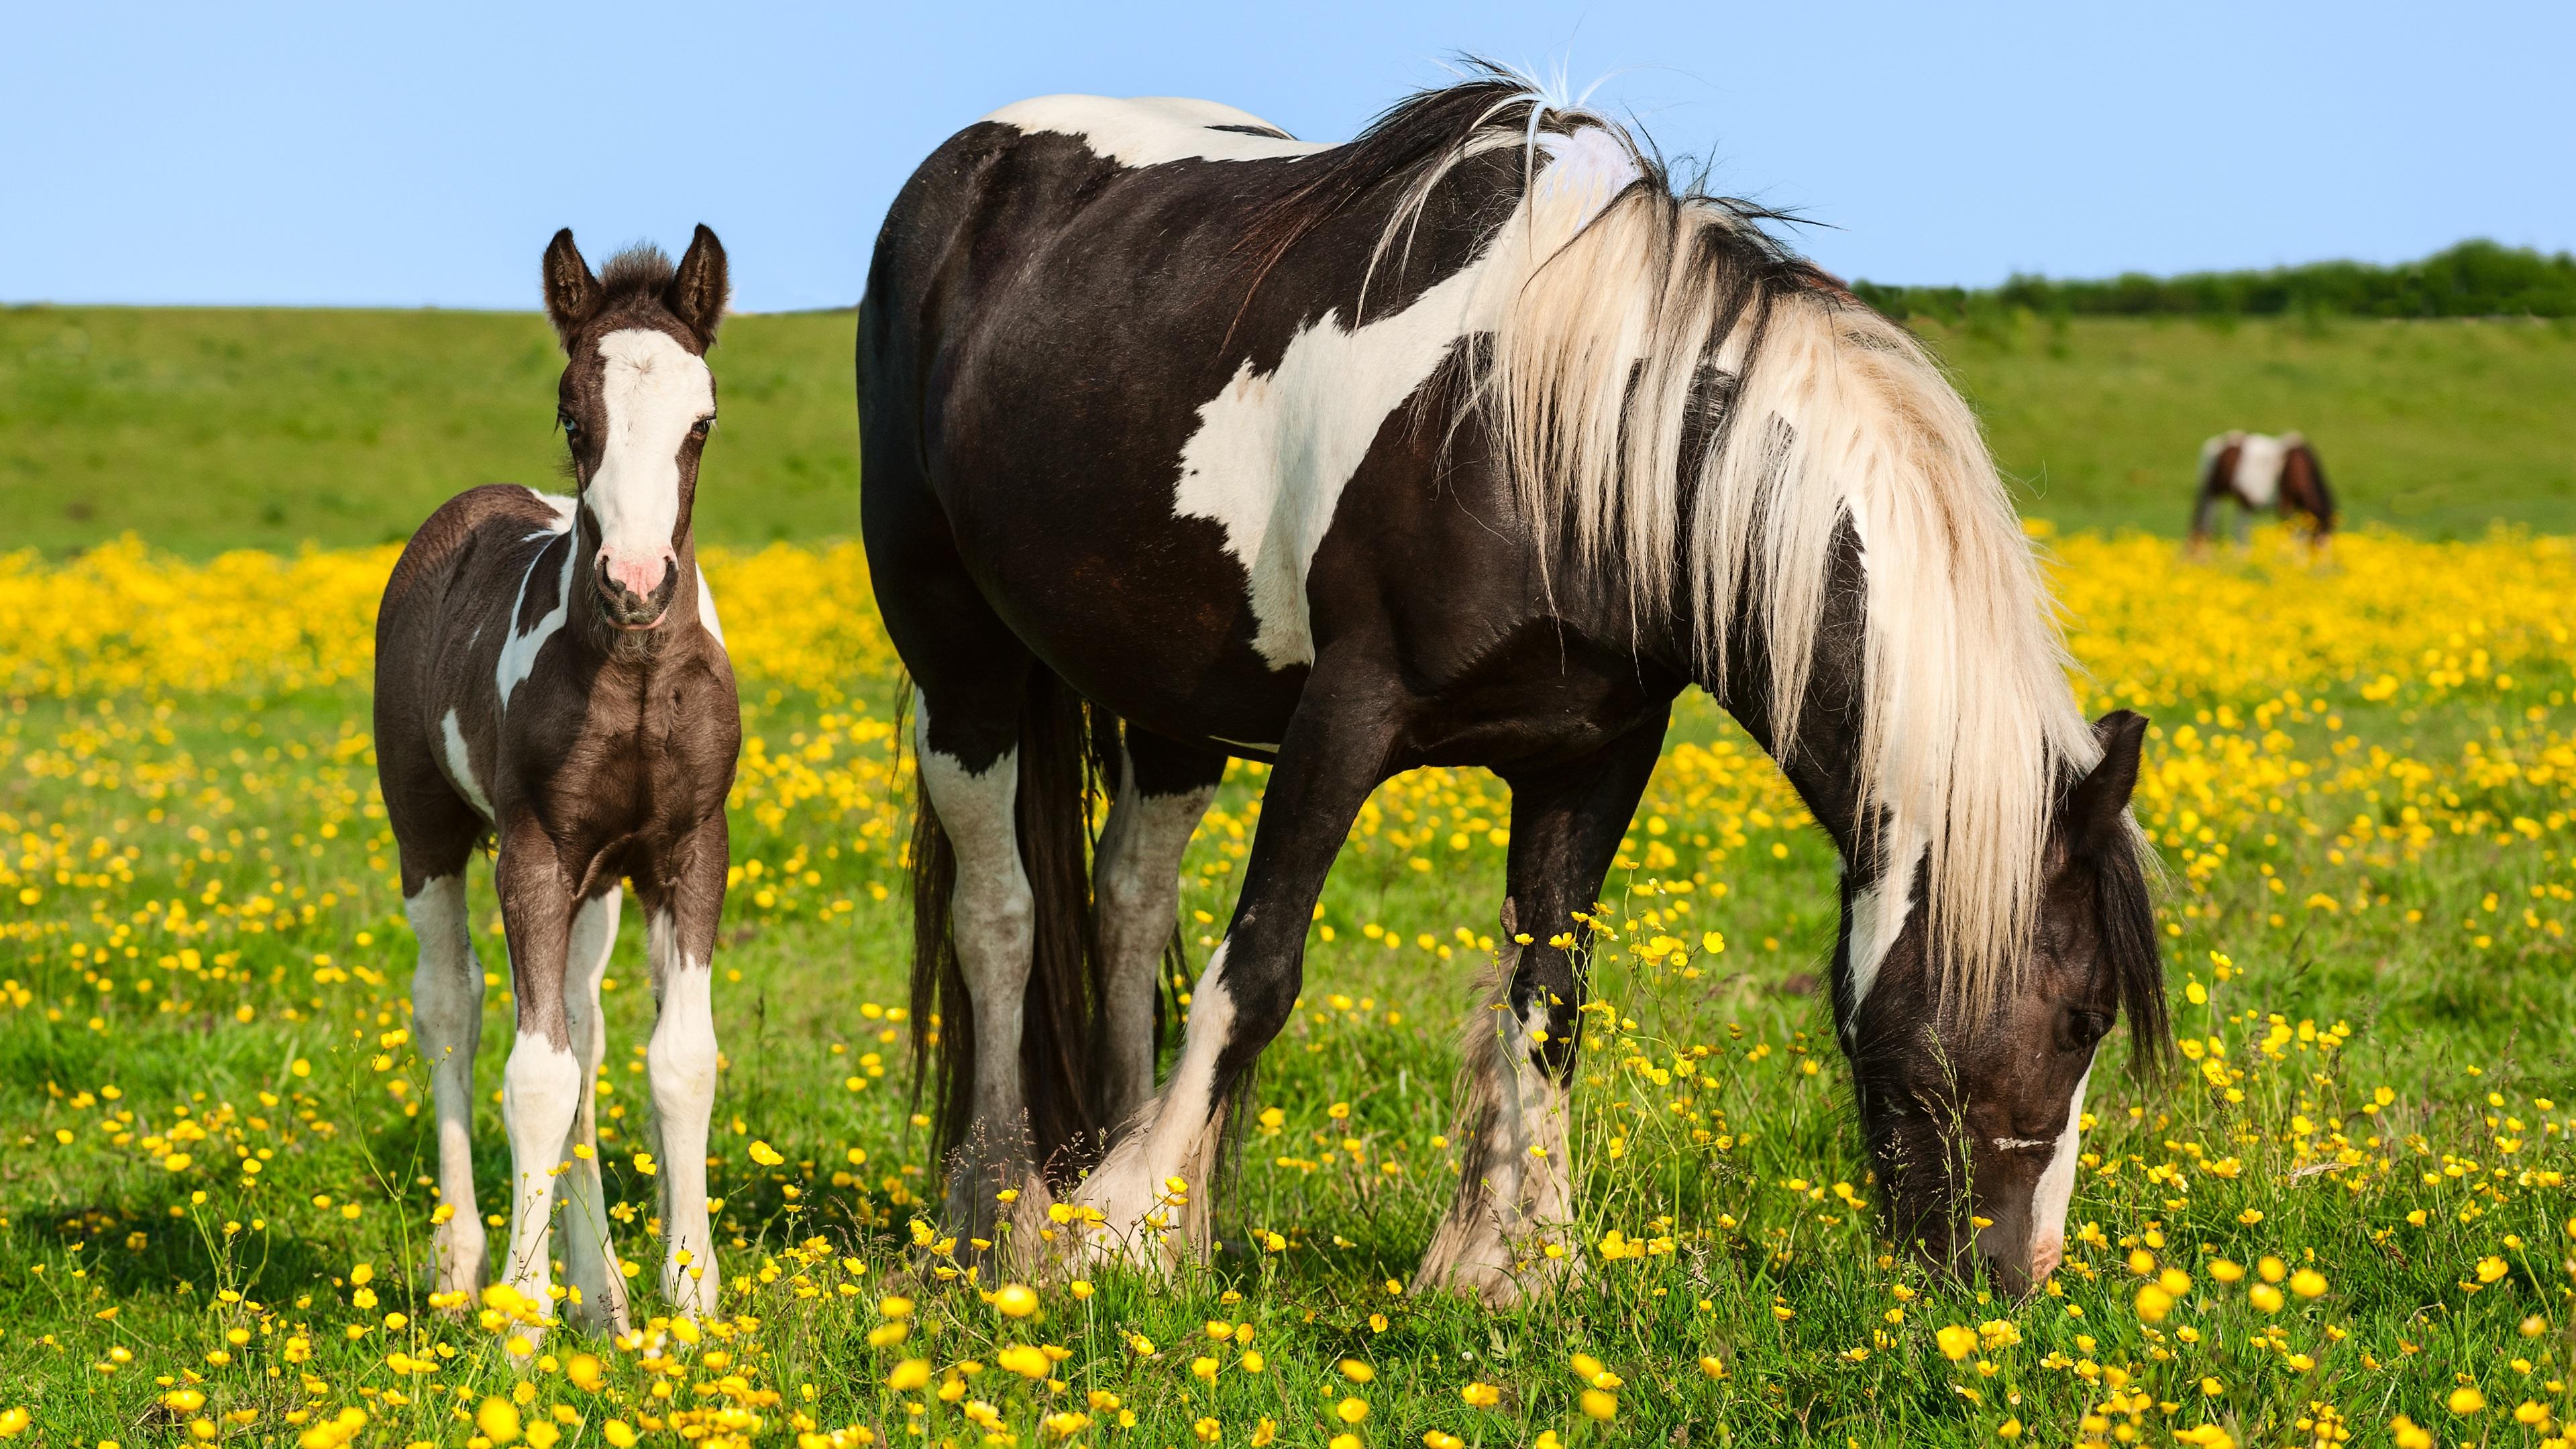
(1175, 1137)
(2056, 1188)
(460, 765)
(682, 1063)
(1151, 130)
(654, 390)
(447, 1012)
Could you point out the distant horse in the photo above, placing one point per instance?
(1466, 443)
(2259, 471)
(550, 675)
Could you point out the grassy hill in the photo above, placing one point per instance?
(205, 429)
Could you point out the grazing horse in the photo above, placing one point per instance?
(2260, 471)
(550, 676)
(1469, 442)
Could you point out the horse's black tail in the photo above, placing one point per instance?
(1057, 789)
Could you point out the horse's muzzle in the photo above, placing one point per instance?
(619, 599)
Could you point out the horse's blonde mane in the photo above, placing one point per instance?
(1617, 319)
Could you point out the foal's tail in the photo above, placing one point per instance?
(1058, 785)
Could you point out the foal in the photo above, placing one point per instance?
(536, 686)
(2259, 471)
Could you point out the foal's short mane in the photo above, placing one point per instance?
(642, 270)
(1624, 313)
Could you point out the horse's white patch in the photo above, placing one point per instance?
(993, 916)
(590, 1259)
(2056, 1188)
(2015, 1144)
(563, 505)
(1274, 450)
(1516, 1117)
(682, 1063)
(447, 1013)
(1585, 170)
(654, 390)
(519, 651)
(540, 1091)
(1174, 1138)
(1878, 915)
(460, 765)
(1151, 130)
(707, 610)
(2258, 469)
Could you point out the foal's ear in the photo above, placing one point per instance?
(2094, 806)
(572, 293)
(698, 291)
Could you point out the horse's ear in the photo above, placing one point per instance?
(572, 292)
(699, 290)
(2095, 806)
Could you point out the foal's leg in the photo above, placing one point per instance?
(680, 936)
(590, 1259)
(447, 1017)
(541, 1084)
(1163, 790)
(1335, 754)
(1515, 1186)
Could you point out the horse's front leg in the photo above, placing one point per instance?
(682, 1061)
(541, 1084)
(1156, 1180)
(598, 1298)
(1515, 1186)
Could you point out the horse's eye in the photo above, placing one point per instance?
(2082, 1027)
(702, 427)
(566, 421)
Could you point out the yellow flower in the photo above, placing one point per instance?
(2008, 1429)
(908, 1375)
(2466, 1400)
(1015, 1300)
(1599, 1404)
(1481, 1395)
(2308, 1283)
(1027, 1362)
(1351, 1411)
(2409, 1434)
(766, 1155)
(619, 1433)
(2226, 1270)
(585, 1371)
(1356, 1371)
(498, 1418)
(1208, 1431)
(1957, 1341)
(2492, 1268)
(2265, 1297)
(2153, 1303)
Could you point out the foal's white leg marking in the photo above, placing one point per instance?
(1136, 881)
(1519, 1181)
(460, 765)
(2056, 1189)
(653, 391)
(447, 1014)
(1150, 130)
(1878, 914)
(590, 1257)
(540, 1091)
(1175, 1137)
(993, 916)
(682, 1063)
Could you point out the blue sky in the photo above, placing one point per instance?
(405, 155)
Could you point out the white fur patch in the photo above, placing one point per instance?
(540, 1091)
(2258, 469)
(707, 610)
(519, 651)
(654, 391)
(1136, 880)
(460, 765)
(2057, 1184)
(682, 1063)
(1273, 451)
(1150, 130)
(447, 1015)
(1175, 1138)
(1878, 915)
(563, 505)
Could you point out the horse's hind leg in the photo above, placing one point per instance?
(1515, 1186)
(590, 1260)
(970, 770)
(435, 832)
(1163, 789)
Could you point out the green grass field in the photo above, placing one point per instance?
(203, 430)
(213, 1149)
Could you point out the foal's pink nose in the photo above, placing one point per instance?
(638, 574)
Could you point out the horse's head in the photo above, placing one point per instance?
(636, 403)
(1973, 1110)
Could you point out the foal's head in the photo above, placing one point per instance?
(636, 403)
(1972, 1115)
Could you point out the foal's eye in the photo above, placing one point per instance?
(702, 427)
(570, 424)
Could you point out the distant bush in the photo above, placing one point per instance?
(2473, 279)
